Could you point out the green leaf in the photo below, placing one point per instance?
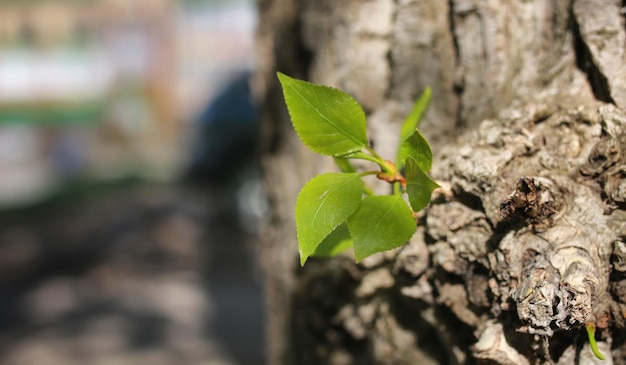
(418, 148)
(335, 243)
(381, 223)
(412, 122)
(591, 335)
(327, 120)
(419, 186)
(323, 204)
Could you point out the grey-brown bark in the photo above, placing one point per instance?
(527, 98)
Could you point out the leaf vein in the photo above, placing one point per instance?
(384, 215)
(325, 198)
(325, 118)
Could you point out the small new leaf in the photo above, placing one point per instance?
(324, 203)
(591, 335)
(329, 121)
(381, 223)
(418, 148)
(419, 186)
(412, 122)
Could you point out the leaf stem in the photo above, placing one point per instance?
(369, 172)
(364, 156)
(379, 159)
(396, 188)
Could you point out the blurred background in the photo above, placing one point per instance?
(129, 193)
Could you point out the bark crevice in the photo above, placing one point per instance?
(597, 81)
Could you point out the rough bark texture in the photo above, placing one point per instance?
(526, 242)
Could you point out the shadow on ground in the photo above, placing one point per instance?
(151, 275)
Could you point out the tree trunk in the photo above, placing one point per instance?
(525, 243)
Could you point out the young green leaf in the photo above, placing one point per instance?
(418, 148)
(419, 186)
(327, 120)
(323, 204)
(381, 223)
(335, 243)
(412, 122)
(591, 335)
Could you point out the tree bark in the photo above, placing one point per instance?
(525, 243)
